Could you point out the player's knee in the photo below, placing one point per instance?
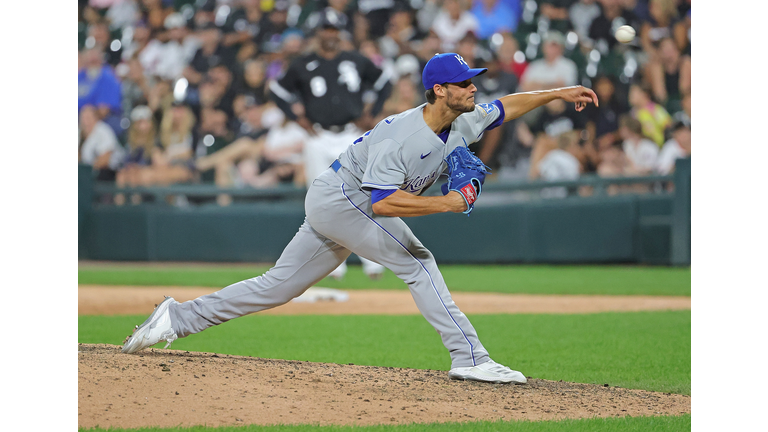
(422, 254)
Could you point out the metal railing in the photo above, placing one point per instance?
(165, 194)
(598, 186)
(591, 180)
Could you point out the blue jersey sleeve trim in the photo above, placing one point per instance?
(500, 119)
(380, 194)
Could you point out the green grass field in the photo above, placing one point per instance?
(642, 350)
(529, 279)
(623, 424)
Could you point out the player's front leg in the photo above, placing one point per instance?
(416, 266)
(469, 359)
(390, 242)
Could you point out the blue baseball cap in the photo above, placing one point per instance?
(447, 68)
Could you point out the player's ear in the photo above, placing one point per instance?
(439, 90)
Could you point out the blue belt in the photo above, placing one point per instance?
(336, 165)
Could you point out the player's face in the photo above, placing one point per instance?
(460, 96)
(329, 39)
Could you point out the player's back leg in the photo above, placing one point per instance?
(307, 259)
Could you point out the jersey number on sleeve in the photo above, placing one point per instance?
(387, 120)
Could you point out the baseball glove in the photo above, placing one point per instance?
(466, 175)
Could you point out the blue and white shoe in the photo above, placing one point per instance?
(489, 371)
(155, 329)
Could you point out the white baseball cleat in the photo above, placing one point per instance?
(489, 371)
(155, 329)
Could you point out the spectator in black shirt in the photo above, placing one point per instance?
(556, 119)
(611, 17)
(247, 144)
(557, 12)
(248, 123)
(205, 13)
(272, 26)
(243, 28)
(211, 53)
(252, 82)
(670, 75)
(602, 127)
(376, 13)
(222, 77)
(492, 85)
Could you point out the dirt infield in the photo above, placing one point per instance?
(168, 388)
(110, 300)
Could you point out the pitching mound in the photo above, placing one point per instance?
(169, 388)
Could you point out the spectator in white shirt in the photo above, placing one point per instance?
(100, 147)
(554, 160)
(642, 153)
(168, 59)
(581, 14)
(453, 22)
(122, 13)
(281, 159)
(553, 70)
(677, 147)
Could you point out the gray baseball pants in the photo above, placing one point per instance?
(339, 221)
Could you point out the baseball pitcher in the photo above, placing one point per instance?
(356, 205)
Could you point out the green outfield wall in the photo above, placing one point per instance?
(652, 228)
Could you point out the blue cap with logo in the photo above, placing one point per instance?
(447, 68)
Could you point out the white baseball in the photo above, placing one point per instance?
(625, 34)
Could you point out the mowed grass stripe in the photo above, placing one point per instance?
(622, 424)
(640, 350)
(526, 279)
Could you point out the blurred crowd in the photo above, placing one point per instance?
(166, 86)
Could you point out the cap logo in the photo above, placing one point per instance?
(442, 69)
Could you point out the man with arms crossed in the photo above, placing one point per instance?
(355, 207)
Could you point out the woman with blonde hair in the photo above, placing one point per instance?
(665, 22)
(157, 159)
(172, 160)
(142, 136)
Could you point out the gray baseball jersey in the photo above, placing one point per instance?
(401, 152)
